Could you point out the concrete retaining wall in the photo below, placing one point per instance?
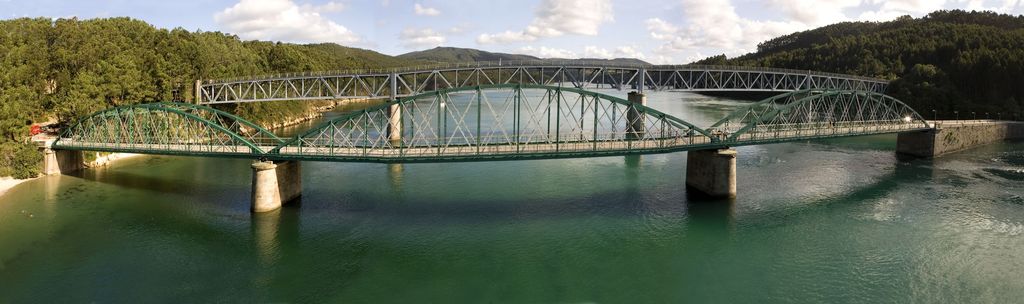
(952, 137)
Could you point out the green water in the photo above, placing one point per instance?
(825, 221)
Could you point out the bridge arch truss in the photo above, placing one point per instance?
(167, 128)
(493, 122)
(810, 114)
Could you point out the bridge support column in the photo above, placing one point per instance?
(198, 92)
(395, 123)
(274, 184)
(712, 172)
(61, 161)
(635, 119)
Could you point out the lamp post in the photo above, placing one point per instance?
(974, 116)
(957, 113)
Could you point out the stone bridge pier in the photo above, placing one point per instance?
(712, 173)
(59, 161)
(634, 119)
(275, 184)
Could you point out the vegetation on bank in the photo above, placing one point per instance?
(65, 68)
(946, 61)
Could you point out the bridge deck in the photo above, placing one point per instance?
(428, 153)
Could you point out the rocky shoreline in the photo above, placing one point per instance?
(313, 113)
(107, 159)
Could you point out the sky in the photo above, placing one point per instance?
(658, 31)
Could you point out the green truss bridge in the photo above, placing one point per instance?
(496, 122)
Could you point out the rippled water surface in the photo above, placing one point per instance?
(825, 221)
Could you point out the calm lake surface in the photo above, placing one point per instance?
(823, 221)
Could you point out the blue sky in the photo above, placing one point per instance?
(666, 31)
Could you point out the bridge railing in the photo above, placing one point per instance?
(495, 146)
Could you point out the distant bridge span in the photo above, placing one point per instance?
(402, 82)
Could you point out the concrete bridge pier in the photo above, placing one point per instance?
(712, 173)
(635, 119)
(59, 161)
(275, 183)
(394, 123)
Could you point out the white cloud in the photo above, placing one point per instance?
(422, 38)
(546, 52)
(425, 11)
(555, 18)
(816, 12)
(662, 59)
(504, 38)
(283, 20)
(591, 51)
(459, 29)
(329, 7)
(892, 9)
(628, 52)
(714, 26)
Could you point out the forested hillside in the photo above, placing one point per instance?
(947, 61)
(63, 69)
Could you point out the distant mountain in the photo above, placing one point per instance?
(453, 55)
(457, 55)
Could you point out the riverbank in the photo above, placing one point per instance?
(7, 183)
(316, 111)
(107, 159)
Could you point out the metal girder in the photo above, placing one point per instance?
(584, 75)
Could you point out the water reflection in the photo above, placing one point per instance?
(633, 161)
(395, 176)
(276, 233)
(715, 219)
